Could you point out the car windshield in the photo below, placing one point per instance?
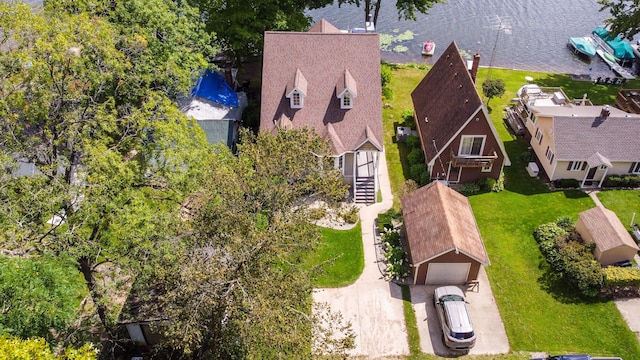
(451, 298)
(463, 335)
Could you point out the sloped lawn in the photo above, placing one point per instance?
(340, 256)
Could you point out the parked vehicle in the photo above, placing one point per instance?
(454, 318)
(577, 357)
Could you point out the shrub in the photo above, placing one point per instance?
(565, 222)
(470, 188)
(418, 172)
(413, 142)
(415, 156)
(632, 181)
(548, 232)
(567, 183)
(387, 93)
(317, 213)
(527, 156)
(407, 117)
(391, 237)
(351, 215)
(615, 277)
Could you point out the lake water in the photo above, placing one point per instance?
(526, 34)
(517, 34)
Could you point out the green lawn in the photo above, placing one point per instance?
(341, 257)
(624, 203)
(539, 313)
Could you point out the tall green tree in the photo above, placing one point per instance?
(84, 102)
(407, 9)
(240, 25)
(493, 88)
(625, 16)
(241, 290)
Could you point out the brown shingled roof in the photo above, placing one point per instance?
(447, 97)
(438, 220)
(606, 229)
(323, 56)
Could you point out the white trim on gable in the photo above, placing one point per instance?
(296, 98)
(347, 98)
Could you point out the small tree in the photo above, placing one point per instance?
(492, 88)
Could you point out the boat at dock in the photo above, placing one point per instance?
(613, 64)
(583, 45)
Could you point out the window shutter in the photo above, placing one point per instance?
(584, 165)
(551, 161)
(570, 165)
(633, 165)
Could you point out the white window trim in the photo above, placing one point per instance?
(484, 138)
(549, 154)
(487, 168)
(350, 96)
(339, 163)
(576, 166)
(292, 97)
(636, 167)
(539, 136)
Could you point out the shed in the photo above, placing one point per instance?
(217, 108)
(444, 242)
(613, 242)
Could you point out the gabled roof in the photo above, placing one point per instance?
(324, 56)
(447, 97)
(445, 101)
(605, 228)
(580, 131)
(439, 220)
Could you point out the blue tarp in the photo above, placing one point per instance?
(212, 86)
(621, 48)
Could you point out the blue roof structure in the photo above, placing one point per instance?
(621, 48)
(213, 86)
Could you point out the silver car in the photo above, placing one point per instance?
(454, 318)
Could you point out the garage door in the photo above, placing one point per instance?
(447, 273)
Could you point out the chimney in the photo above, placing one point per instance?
(605, 111)
(474, 66)
(228, 76)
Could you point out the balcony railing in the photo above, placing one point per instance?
(474, 160)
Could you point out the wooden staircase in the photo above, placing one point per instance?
(365, 190)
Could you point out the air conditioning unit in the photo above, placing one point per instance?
(532, 169)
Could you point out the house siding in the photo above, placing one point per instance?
(469, 174)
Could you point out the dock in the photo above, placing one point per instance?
(602, 49)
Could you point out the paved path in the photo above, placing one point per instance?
(373, 305)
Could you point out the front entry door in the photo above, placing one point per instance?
(591, 173)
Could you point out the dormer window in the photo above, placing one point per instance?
(346, 101)
(346, 91)
(297, 90)
(296, 100)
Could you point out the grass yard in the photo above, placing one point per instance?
(340, 256)
(539, 313)
(624, 203)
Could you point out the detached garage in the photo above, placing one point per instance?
(444, 241)
(601, 226)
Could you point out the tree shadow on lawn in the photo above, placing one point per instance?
(403, 151)
(517, 178)
(559, 289)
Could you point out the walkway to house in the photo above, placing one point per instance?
(371, 304)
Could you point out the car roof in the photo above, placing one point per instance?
(448, 290)
(458, 316)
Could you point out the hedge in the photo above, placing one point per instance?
(621, 277)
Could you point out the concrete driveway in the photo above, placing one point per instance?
(487, 323)
(373, 305)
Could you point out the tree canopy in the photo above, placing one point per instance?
(407, 9)
(625, 16)
(38, 298)
(85, 101)
(240, 289)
